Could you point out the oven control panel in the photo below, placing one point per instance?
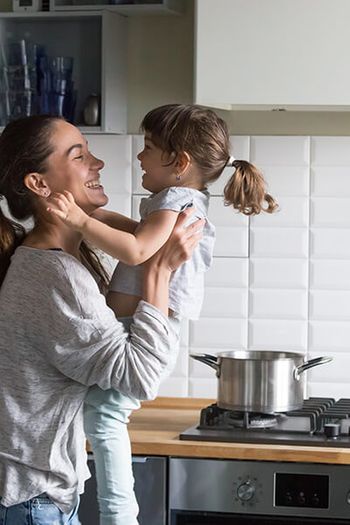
(301, 490)
(260, 488)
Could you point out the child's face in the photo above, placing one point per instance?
(157, 166)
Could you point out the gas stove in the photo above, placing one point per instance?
(320, 422)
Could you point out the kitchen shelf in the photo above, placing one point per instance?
(97, 41)
(132, 8)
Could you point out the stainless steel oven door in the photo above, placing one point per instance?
(230, 492)
(150, 475)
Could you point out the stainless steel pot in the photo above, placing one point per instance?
(260, 381)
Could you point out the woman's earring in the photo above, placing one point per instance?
(46, 193)
(178, 178)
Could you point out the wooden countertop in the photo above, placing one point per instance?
(155, 428)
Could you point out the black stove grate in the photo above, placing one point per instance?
(319, 421)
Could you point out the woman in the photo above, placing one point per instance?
(58, 337)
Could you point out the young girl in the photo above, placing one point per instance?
(186, 148)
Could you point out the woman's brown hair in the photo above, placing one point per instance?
(25, 146)
(177, 128)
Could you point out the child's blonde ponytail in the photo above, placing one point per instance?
(246, 190)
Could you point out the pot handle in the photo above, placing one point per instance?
(310, 364)
(207, 359)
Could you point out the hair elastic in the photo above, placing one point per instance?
(230, 161)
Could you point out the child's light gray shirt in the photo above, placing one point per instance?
(186, 289)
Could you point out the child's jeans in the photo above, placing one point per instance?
(37, 511)
(106, 414)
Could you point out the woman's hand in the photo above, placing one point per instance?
(178, 249)
(181, 243)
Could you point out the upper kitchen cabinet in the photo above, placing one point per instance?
(124, 7)
(272, 54)
(97, 43)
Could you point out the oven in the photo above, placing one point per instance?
(235, 492)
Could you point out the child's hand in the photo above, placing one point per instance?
(63, 206)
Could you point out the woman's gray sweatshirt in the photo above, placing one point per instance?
(58, 337)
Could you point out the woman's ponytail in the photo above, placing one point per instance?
(246, 190)
(11, 235)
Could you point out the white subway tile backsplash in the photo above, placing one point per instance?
(231, 229)
(290, 181)
(329, 305)
(222, 215)
(279, 151)
(330, 243)
(288, 335)
(216, 189)
(330, 181)
(231, 242)
(279, 281)
(336, 370)
(174, 387)
(206, 388)
(292, 212)
(225, 302)
(228, 271)
(278, 304)
(279, 242)
(330, 151)
(180, 368)
(278, 273)
(219, 333)
(119, 202)
(329, 336)
(328, 212)
(329, 389)
(240, 146)
(330, 274)
(115, 151)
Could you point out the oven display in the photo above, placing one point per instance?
(302, 490)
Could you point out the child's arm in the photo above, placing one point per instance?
(127, 247)
(115, 220)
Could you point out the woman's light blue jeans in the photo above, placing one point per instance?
(37, 511)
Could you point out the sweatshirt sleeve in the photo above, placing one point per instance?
(88, 344)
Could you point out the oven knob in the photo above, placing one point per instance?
(301, 498)
(332, 430)
(246, 491)
(348, 498)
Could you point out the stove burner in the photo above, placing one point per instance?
(215, 417)
(252, 420)
(320, 421)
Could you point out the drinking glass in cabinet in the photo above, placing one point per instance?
(20, 53)
(57, 95)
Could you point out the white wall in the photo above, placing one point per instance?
(278, 282)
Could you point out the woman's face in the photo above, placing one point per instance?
(73, 168)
